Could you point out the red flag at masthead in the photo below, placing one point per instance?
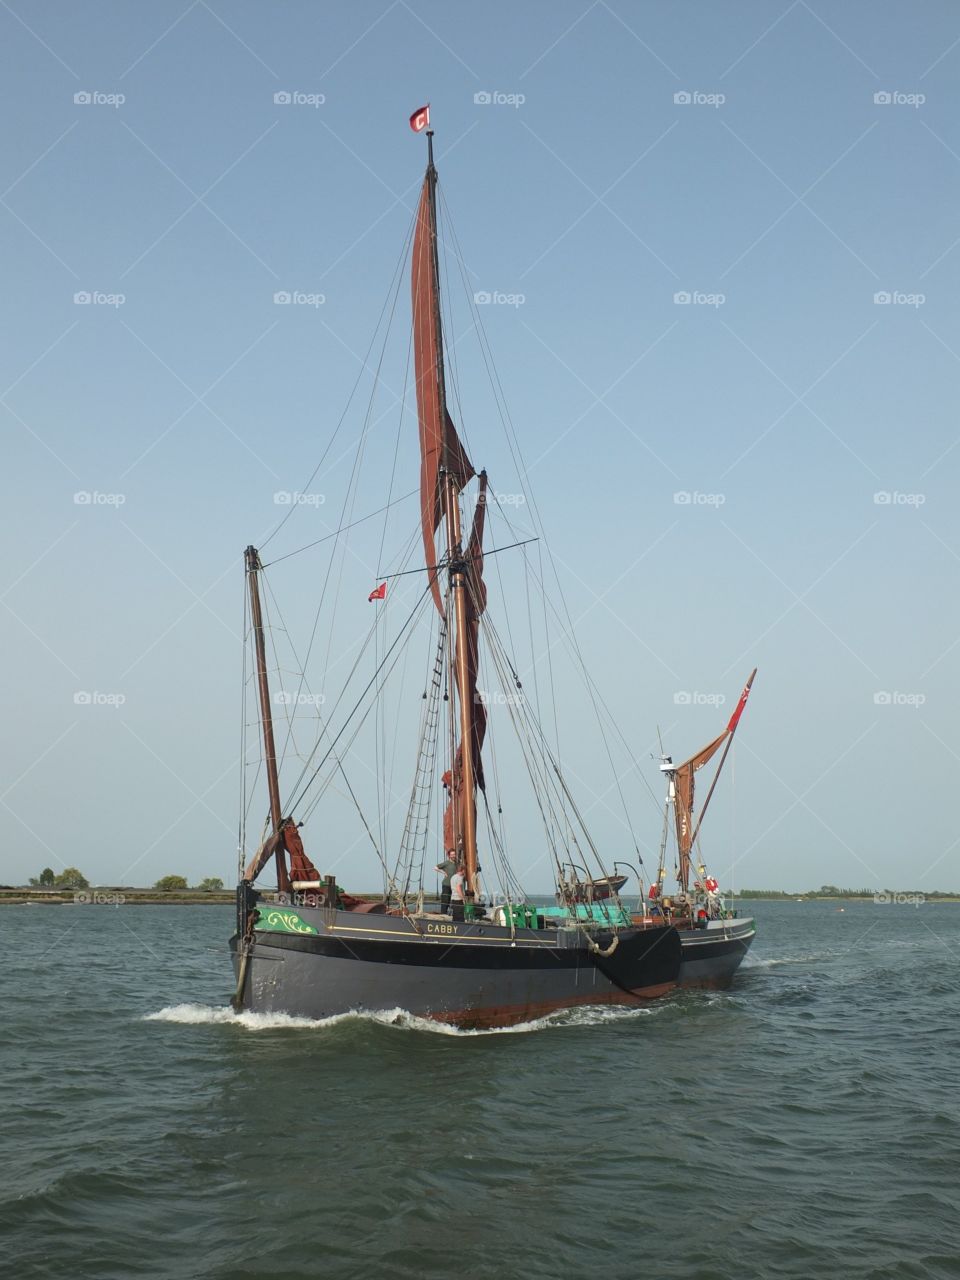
(378, 593)
(420, 119)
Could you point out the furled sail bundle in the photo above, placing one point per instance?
(286, 839)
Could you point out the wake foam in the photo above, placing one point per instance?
(398, 1019)
(203, 1015)
(753, 962)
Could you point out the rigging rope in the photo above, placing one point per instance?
(393, 291)
(400, 635)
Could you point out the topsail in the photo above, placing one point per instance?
(440, 445)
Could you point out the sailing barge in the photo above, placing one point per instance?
(315, 951)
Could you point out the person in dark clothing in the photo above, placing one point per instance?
(446, 868)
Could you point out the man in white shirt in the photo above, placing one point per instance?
(457, 891)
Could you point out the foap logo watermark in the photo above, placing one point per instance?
(891, 698)
(888, 898)
(94, 498)
(696, 298)
(284, 498)
(97, 298)
(96, 898)
(296, 98)
(896, 298)
(94, 98)
(284, 699)
(497, 98)
(297, 298)
(94, 698)
(483, 298)
(894, 498)
(694, 498)
(498, 698)
(895, 98)
(690, 698)
(507, 499)
(696, 98)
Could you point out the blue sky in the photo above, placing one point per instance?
(813, 172)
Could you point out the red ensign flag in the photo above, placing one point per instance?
(420, 119)
(735, 718)
(378, 593)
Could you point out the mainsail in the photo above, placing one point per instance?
(683, 781)
(444, 470)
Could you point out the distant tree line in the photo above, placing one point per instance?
(69, 878)
(168, 884)
(72, 878)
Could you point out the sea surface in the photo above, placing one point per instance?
(804, 1124)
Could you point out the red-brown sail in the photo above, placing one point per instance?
(687, 832)
(439, 443)
(476, 603)
(683, 801)
(301, 868)
(287, 838)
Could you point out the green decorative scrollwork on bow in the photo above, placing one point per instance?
(273, 920)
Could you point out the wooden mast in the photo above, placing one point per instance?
(457, 569)
(252, 557)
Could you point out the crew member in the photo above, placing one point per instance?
(446, 869)
(458, 882)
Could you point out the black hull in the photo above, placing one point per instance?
(710, 957)
(472, 975)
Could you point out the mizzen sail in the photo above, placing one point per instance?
(683, 801)
(683, 779)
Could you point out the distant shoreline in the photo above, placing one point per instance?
(115, 898)
(881, 896)
(101, 896)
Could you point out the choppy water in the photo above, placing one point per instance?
(804, 1124)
